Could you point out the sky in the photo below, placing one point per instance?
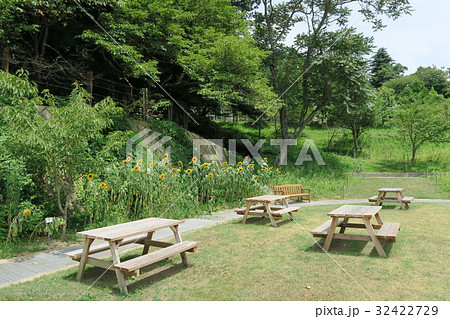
(419, 39)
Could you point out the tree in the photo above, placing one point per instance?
(422, 115)
(385, 103)
(438, 79)
(60, 142)
(384, 68)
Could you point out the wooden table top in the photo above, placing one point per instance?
(355, 211)
(390, 189)
(137, 227)
(266, 198)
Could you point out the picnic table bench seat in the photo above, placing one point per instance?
(322, 230)
(405, 199)
(259, 210)
(76, 254)
(293, 191)
(388, 232)
(153, 257)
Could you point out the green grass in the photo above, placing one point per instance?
(255, 261)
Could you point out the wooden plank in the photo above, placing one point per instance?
(407, 199)
(178, 239)
(153, 257)
(247, 210)
(242, 210)
(388, 231)
(146, 246)
(387, 189)
(114, 245)
(82, 266)
(266, 198)
(269, 212)
(76, 254)
(137, 227)
(324, 228)
(355, 211)
(352, 237)
(372, 235)
(330, 234)
(373, 199)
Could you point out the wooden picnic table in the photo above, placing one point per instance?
(138, 232)
(340, 218)
(398, 197)
(264, 209)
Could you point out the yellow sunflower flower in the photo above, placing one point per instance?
(140, 162)
(178, 170)
(164, 186)
(239, 163)
(162, 176)
(102, 185)
(189, 171)
(210, 175)
(173, 170)
(206, 165)
(128, 158)
(240, 169)
(136, 168)
(180, 163)
(251, 165)
(124, 162)
(26, 212)
(266, 169)
(225, 163)
(226, 172)
(194, 159)
(166, 164)
(105, 188)
(256, 177)
(166, 156)
(151, 165)
(265, 159)
(217, 207)
(90, 176)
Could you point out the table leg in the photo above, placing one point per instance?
(146, 247)
(343, 227)
(330, 234)
(379, 198)
(378, 218)
(84, 256)
(114, 247)
(399, 197)
(269, 212)
(247, 209)
(374, 238)
(178, 239)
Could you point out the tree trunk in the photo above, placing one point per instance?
(283, 122)
(355, 133)
(413, 157)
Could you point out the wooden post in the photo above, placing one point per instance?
(90, 85)
(170, 112)
(5, 59)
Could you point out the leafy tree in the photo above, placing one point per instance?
(422, 116)
(61, 141)
(438, 79)
(385, 102)
(384, 68)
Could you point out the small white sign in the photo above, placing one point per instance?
(49, 220)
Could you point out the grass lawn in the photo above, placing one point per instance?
(258, 262)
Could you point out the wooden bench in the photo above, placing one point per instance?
(322, 230)
(259, 211)
(76, 254)
(406, 200)
(388, 232)
(153, 257)
(293, 191)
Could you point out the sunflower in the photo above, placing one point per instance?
(166, 156)
(239, 163)
(128, 158)
(136, 168)
(271, 167)
(189, 171)
(105, 188)
(164, 186)
(151, 165)
(217, 207)
(90, 176)
(194, 159)
(240, 169)
(255, 177)
(210, 175)
(277, 169)
(140, 162)
(206, 165)
(162, 176)
(26, 212)
(251, 165)
(225, 163)
(178, 170)
(124, 162)
(265, 159)
(245, 158)
(166, 164)
(173, 170)
(266, 169)
(180, 163)
(226, 172)
(102, 185)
